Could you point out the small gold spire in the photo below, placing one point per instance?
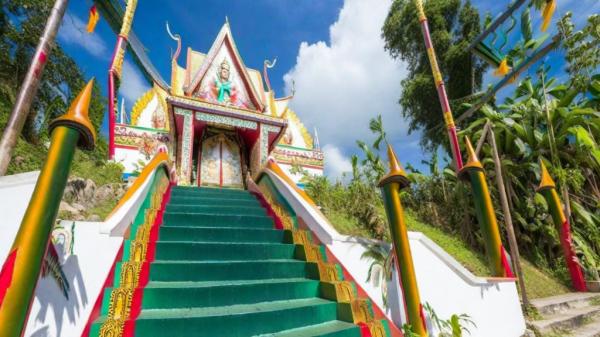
(472, 161)
(396, 173)
(546, 181)
(77, 117)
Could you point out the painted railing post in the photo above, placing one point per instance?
(473, 171)
(547, 188)
(439, 86)
(391, 184)
(115, 70)
(21, 270)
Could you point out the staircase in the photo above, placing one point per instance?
(574, 314)
(222, 269)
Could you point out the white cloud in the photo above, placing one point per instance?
(335, 162)
(133, 83)
(73, 31)
(342, 83)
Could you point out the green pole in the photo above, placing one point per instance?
(473, 171)
(21, 270)
(391, 185)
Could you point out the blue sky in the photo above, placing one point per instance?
(330, 49)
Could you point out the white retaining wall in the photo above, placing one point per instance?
(493, 304)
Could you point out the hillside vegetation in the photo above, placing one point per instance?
(62, 80)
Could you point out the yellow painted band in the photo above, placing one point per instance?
(159, 158)
(435, 70)
(448, 118)
(420, 10)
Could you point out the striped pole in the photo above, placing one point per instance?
(21, 270)
(115, 70)
(391, 185)
(473, 171)
(439, 84)
(547, 188)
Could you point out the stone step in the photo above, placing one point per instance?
(589, 330)
(562, 303)
(567, 321)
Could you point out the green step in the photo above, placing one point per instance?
(164, 295)
(221, 209)
(208, 192)
(236, 320)
(327, 329)
(215, 220)
(220, 234)
(202, 251)
(242, 200)
(226, 270)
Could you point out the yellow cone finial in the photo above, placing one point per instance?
(473, 162)
(396, 173)
(546, 180)
(470, 151)
(77, 117)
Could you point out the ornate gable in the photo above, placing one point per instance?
(223, 78)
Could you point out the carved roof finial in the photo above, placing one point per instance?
(268, 65)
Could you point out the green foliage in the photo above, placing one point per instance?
(538, 123)
(452, 24)
(101, 172)
(382, 260)
(454, 326)
(582, 49)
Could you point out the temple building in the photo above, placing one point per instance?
(218, 120)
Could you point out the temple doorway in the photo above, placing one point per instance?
(220, 162)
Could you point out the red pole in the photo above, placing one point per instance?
(111, 115)
(114, 70)
(441, 90)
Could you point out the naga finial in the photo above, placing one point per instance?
(177, 38)
(268, 65)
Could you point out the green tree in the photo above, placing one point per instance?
(62, 78)
(453, 24)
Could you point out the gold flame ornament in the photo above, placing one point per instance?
(547, 13)
(503, 69)
(93, 20)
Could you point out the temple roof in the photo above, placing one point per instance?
(193, 84)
